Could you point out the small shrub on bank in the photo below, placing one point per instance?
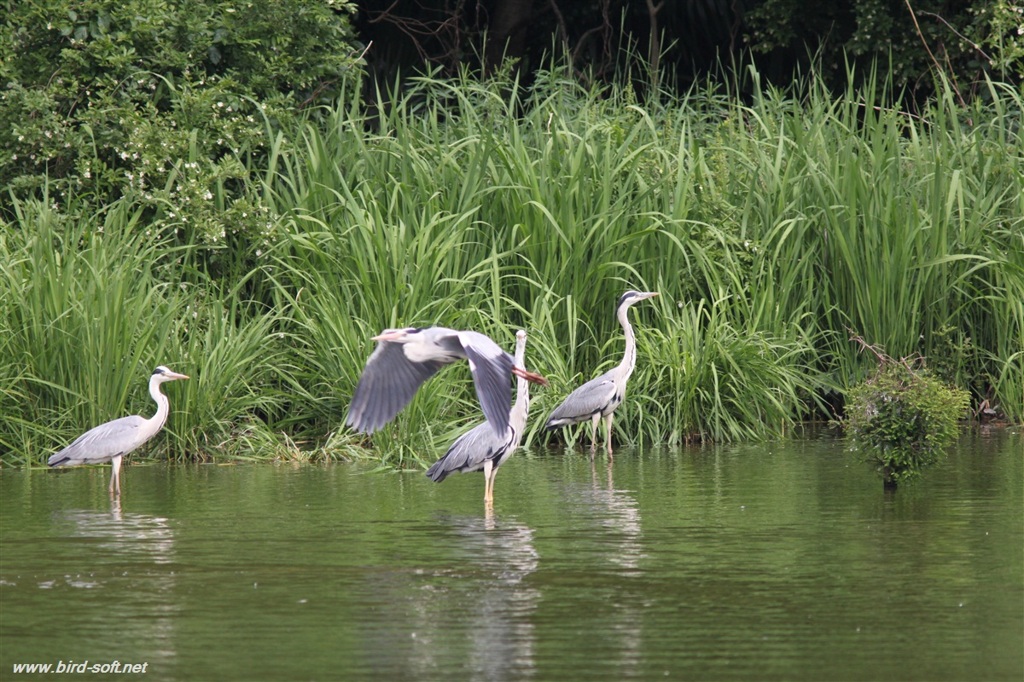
(904, 417)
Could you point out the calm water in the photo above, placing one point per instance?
(769, 562)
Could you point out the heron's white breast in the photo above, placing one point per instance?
(416, 352)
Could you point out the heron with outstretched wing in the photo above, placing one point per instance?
(480, 448)
(405, 358)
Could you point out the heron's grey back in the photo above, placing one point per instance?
(587, 400)
(103, 442)
(470, 451)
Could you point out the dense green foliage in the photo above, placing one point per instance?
(90, 304)
(769, 228)
(904, 417)
(922, 40)
(167, 103)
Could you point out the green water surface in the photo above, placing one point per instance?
(783, 561)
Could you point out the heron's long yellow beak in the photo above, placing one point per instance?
(389, 335)
(532, 377)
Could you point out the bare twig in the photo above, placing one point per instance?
(864, 345)
(563, 32)
(938, 67)
(445, 30)
(959, 35)
(605, 29)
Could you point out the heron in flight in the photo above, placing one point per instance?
(481, 448)
(405, 358)
(600, 397)
(111, 441)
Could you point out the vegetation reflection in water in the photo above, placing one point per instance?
(782, 561)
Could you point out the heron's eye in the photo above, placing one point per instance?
(413, 330)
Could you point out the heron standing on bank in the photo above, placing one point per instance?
(111, 441)
(600, 397)
(405, 358)
(481, 448)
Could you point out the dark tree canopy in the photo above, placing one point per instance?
(689, 38)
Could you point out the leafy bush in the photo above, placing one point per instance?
(904, 416)
(161, 101)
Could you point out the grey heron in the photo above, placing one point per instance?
(481, 448)
(600, 397)
(111, 441)
(405, 358)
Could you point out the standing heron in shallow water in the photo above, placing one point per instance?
(600, 397)
(111, 441)
(405, 358)
(481, 448)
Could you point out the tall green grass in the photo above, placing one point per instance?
(773, 229)
(90, 305)
(894, 226)
(787, 222)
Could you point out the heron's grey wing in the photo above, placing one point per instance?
(470, 451)
(492, 376)
(586, 401)
(388, 383)
(103, 443)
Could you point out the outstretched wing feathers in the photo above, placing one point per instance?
(492, 374)
(388, 384)
(391, 378)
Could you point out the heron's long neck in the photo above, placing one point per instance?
(156, 422)
(629, 359)
(522, 404)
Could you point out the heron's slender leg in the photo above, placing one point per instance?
(488, 482)
(494, 475)
(594, 421)
(115, 476)
(608, 432)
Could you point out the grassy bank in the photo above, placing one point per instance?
(773, 230)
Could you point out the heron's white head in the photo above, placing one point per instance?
(162, 374)
(631, 297)
(520, 355)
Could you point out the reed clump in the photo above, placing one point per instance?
(769, 227)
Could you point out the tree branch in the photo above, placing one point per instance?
(935, 61)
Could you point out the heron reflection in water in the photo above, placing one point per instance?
(482, 589)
